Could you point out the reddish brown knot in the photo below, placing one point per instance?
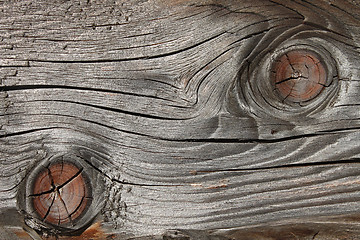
(60, 194)
(298, 76)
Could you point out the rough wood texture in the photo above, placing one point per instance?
(169, 107)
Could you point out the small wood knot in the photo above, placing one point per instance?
(299, 76)
(60, 193)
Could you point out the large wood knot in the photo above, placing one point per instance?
(60, 193)
(299, 76)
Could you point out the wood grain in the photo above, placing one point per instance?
(168, 107)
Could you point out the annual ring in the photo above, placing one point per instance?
(60, 193)
(298, 76)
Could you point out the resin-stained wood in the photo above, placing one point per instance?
(182, 119)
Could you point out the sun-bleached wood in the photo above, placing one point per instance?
(171, 104)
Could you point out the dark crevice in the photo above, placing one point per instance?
(231, 47)
(209, 140)
(104, 125)
(316, 12)
(65, 207)
(195, 14)
(312, 24)
(14, 66)
(214, 5)
(146, 185)
(139, 35)
(340, 130)
(325, 85)
(292, 67)
(125, 182)
(48, 211)
(262, 140)
(295, 165)
(62, 167)
(290, 78)
(143, 45)
(348, 105)
(290, 92)
(13, 187)
(77, 208)
(26, 132)
(344, 11)
(136, 114)
(254, 34)
(51, 178)
(34, 87)
(316, 26)
(55, 188)
(42, 193)
(315, 235)
(291, 9)
(198, 85)
(93, 166)
(89, 121)
(160, 82)
(59, 221)
(131, 58)
(70, 179)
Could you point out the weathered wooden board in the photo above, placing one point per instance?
(168, 108)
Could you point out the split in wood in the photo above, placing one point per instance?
(60, 194)
(299, 76)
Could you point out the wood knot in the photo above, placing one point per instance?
(299, 76)
(60, 193)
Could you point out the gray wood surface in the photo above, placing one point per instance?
(167, 105)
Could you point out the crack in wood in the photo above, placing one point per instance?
(66, 209)
(50, 206)
(38, 86)
(130, 58)
(137, 114)
(213, 140)
(58, 178)
(295, 165)
(194, 172)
